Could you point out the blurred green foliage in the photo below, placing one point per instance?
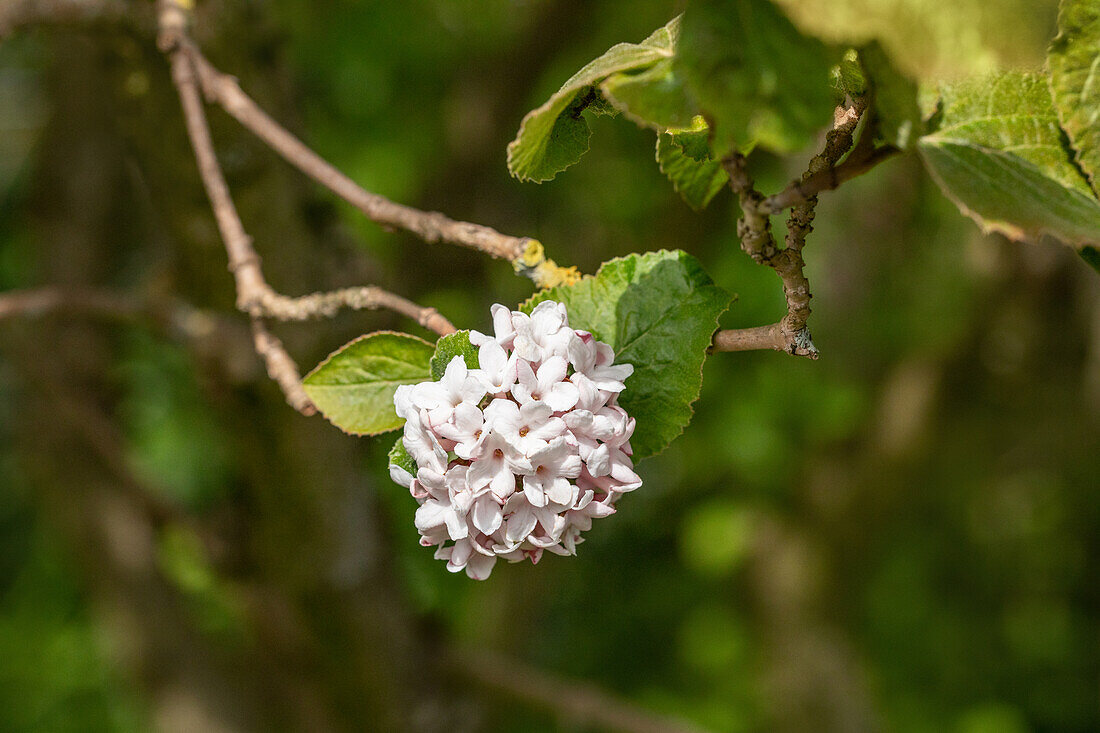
(901, 536)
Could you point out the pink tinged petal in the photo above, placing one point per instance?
(454, 375)
(533, 555)
(579, 420)
(544, 543)
(472, 390)
(599, 510)
(582, 352)
(533, 490)
(459, 556)
(557, 549)
(502, 323)
(418, 491)
(503, 483)
(525, 375)
(429, 395)
(479, 567)
(590, 397)
(551, 372)
(503, 416)
(444, 553)
(549, 430)
(560, 491)
(462, 501)
(430, 514)
(570, 466)
(520, 525)
(487, 515)
(534, 413)
(484, 545)
(562, 396)
(481, 473)
(457, 527)
(599, 461)
(527, 349)
(400, 476)
(585, 500)
(552, 522)
(402, 401)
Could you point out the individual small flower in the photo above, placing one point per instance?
(496, 466)
(498, 371)
(547, 385)
(518, 456)
(441, 398)
(527, 427)
(551, 468)
(544, 333)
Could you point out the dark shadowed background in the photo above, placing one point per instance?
(902, 536)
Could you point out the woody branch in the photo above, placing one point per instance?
(823, 173)
(254, 295)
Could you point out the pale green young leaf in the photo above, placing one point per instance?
(450, 346)
(895, 98)
(353, 388)
(868, 70)
(697, 179)
(1074, 62)
(999, 154)
(694, 140)
(1011, 112)
(555, 135)
(659, 311)
(654, 97)
(758, 80)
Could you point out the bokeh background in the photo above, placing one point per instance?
(903, 536)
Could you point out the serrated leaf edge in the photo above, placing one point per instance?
(1015, 233)
(717, 318)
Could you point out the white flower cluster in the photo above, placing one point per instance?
(521, 454)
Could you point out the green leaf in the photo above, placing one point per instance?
(1007, 194)
(694, 141)
(1011, 112)
(998, 153)
(353, 388)
(450, 346)
(555, 136)
(653, 98)
(399, 456)
(895, 98)
(757, 78)
(1074, 62)
(848, 77)
(697, 179)
(659, 311)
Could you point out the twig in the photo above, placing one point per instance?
(33, 302)
(281, 368)
(15, 14)
(169, 313)
(430, 226)
(325, 305)
(254, 295)
(827, 180)
(754, 228)
(574, 702)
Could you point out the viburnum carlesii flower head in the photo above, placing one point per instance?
(519, 455)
